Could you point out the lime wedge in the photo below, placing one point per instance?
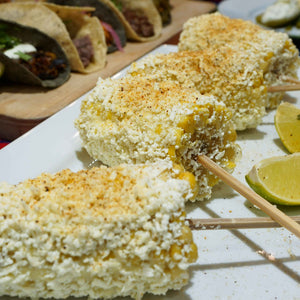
(287, 123)
(277, 179)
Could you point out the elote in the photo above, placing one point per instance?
(275, 50)
(101, 233)
(138, 120)
(233, 77)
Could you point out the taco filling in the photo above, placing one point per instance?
(138, 21)
(43, 64)
(111, 37)
(115, 36)
(85, 49)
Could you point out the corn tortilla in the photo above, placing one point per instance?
(16, 72)
(63, 23)
(144, 7)
(105, 13)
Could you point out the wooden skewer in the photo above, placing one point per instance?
(290, 79)
(235, 223)
(284, 88)
(271, 210)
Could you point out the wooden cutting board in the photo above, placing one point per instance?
(23, 107)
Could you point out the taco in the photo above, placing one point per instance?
(31, 57)
(141, 19)
(164, 8)
(80, 35)
(113, 28)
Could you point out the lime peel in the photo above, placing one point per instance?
(287, 124)
(277, 179)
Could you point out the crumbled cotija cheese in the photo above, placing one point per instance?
(233, 77)
(101, 233)
(138, 120)
(275, 51)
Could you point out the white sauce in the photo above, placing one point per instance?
(24, 48)
(281, 10)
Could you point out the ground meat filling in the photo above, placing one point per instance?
(85, 49)
(139, 23)
(44, 64)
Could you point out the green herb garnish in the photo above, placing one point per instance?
(117, 4)
(23, 55)
(7, 41)
(298, 117)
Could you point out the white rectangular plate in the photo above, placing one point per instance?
(229, 264)
(250, 10)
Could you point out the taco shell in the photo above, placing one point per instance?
(142, 7)
(14, 71)
(64, 24)
(105, 13)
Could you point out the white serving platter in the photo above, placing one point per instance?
(230, 263)
(249, 10)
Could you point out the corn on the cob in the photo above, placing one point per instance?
(274, 49)
(232, 76)
(138, 120)
(102, 233)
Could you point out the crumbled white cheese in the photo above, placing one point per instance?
(23, 48)
(274, 51)
(138, 123)
(101, 233)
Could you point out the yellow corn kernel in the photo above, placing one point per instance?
(186, 234)
(178, 135)
(111, 255)
(188, 176)
(178, 167)
(265, 89)
(203, 110)
(219, 108)
(174, 272)
(212, 180)
(230, 165)
(258, 82)
(199, 109)
(183, 214)
(158, 129)
(230, 153)
(269, 55)
(230, 135)
(187, 123)
(175, 252)
(172, 152)
(289, 46)
(109, 115)
(87, 105)
(133, 73)
(267, 58)
(180, 218)
(193, 254)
